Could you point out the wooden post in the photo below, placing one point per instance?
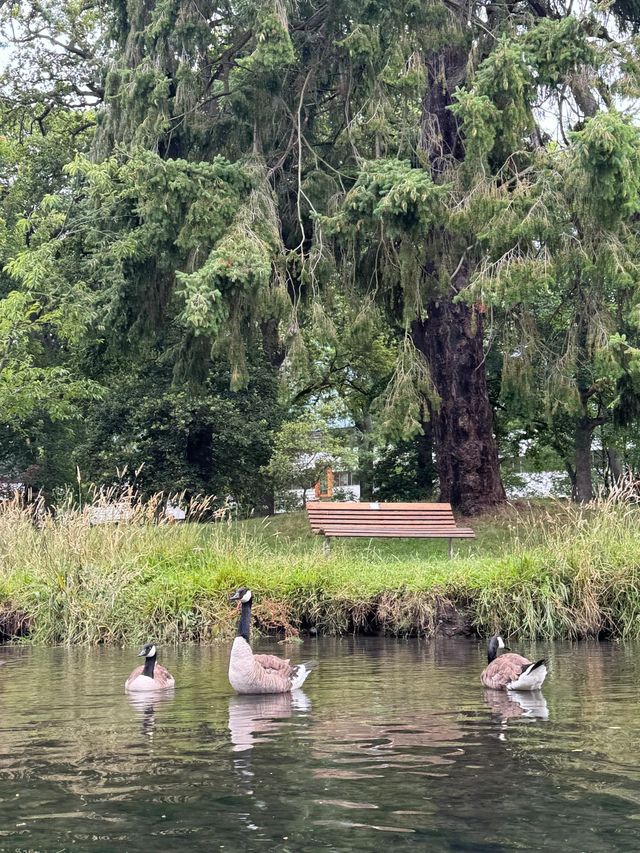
(450, 547)
(326, 546)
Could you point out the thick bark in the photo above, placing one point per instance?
(450, 338)
(272, 344)
(584, 481)
(269, 502)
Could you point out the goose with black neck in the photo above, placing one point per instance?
(150, 676)
(249, 673)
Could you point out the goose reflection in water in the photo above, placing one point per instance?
(146, 705)
(252, 716)
(510, 704)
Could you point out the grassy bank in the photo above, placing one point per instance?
(548, 571)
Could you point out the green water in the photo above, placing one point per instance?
(392, 745)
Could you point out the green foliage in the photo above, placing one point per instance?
(45, 306)
(394, 193)
(401, 406)
(305, 448)
(204, 439)
(400, 474)
(479, 118)
(495, 113)
(606, 168)
(556, 48)
(27, 382)
(232, 141)
(161, 227)
(274, 49)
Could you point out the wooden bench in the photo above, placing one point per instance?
(378, 520)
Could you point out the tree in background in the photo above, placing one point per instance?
(45, 309)
(563, 265)
(305, 449)
(100, 244)
(201, 439)
(253, 162)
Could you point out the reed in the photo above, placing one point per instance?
(551, 570)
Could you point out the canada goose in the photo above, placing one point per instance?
(511, 671)
(249, 673)
(151, 676)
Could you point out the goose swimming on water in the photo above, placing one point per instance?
(511, 671)
(249, 673)
(151, 676)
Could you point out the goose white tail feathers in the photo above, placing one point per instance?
(301, 671)
(531, 677)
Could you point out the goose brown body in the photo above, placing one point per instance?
(504, 670)
(255, 674)
(511, 671)
(162, 679)
(249, 673)
(150, 676)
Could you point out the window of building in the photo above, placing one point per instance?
(343, 478)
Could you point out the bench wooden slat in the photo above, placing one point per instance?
(382, 522)
(341, 506)
(418, 527)
(394, 531)
(386, 521)
(448, 528)
(383, 516)
(395, 526)
(399, 534)
(379, 513)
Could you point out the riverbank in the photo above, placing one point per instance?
(552, 571)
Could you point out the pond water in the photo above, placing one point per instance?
(392, 744)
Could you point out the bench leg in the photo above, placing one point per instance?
(450, 548)
(326, 546)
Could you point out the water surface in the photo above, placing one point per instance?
(392, 745)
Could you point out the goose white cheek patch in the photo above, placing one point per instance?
(151, 652)
(246, 597)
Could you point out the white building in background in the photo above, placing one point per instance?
(175, 513)
(335, 486)
(543, 484)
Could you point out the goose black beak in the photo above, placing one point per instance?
(142, 654)
(235, 597)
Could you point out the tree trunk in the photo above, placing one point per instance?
(584, 482)
(272, 345)
(365, 461)
(269, 501)
(615, 465)
(572, 478)
(427, 473)
(451, 335)
(450, 338)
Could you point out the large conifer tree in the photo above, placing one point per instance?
(253, 157)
